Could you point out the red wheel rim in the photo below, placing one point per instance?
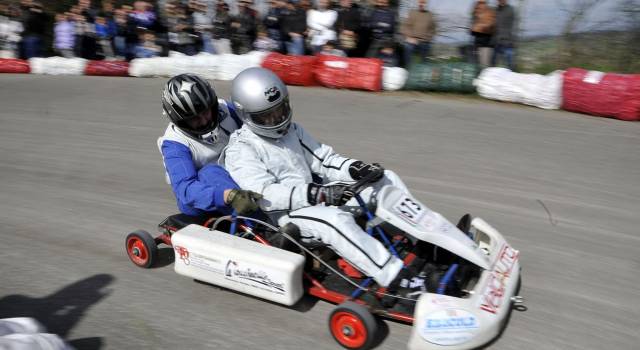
(348, 329)
(137, 251)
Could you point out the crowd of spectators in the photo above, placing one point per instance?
(368, 28)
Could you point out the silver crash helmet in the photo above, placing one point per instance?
(262, 100)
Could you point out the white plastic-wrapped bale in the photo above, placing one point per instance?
(57, 65)
(231, 65)
(543, 91)
(394, 78)
(150, 67)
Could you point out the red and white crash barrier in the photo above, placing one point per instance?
(293, 70)
(330, 71)
(349, 73)
(57, 65)
(543, 91)
(214, 67)
(602, 94)
(394, 78)
(14, 65)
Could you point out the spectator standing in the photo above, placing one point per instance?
(181, 35)
(243, 28)
(147, 46)
(320, 24)
(124, 31)
(382, 24)
(418, 31)
(202, 24)
(10, 29)
(34, 23)
(482, 26)
(64, 33)
(265, 43)
(348, 26)
(85, 38)
(273, 22)
(221, 28)
(294, 26)
(143, 15)
(504, 35)
(103, 37)
(87, 10)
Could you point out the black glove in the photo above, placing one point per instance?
(331, 194)
(244, 202)
(359, 170)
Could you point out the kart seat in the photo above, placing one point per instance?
(178, 221)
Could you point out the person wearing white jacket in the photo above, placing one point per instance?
(272, 156)
(320, 23)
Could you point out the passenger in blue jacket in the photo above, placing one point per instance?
(198, 131)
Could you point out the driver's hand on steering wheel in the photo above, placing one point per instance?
(243, 201)
(337, 195)
(359, 170)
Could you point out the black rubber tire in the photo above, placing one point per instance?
(366, 321)
(142, 243)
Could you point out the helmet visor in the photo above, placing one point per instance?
(202, 124)
(272, 117)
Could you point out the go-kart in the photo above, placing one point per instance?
(471, 273)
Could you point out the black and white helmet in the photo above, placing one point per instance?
(185, 97)
(262, 100)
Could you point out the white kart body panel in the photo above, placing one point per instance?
(408, 214)
(444, 322)
(238, 264)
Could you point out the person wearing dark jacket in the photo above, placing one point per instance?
(347, 26)
(273, 22)
(382, 24)
(294, 25)
(221, 28)
(34, 23)
(503, 37)
(243, 28)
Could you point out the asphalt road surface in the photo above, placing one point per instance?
(80, 169)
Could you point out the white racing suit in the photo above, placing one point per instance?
(281, 169)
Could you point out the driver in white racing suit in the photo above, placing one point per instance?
(272, 156)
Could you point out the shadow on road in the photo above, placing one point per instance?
(61, 311)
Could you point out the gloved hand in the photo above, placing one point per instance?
(243, 201)
(359, 170)
(331, 194)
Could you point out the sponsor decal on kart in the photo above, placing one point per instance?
(253, 277)
(197, 260)
(183, 253)
(449, 327)
(494, 292)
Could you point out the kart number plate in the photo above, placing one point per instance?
(409, 209)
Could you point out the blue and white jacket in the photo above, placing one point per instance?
(191, 165)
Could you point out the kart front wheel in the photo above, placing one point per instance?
(353, 326)
(141, 248)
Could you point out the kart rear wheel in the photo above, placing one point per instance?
(141, 248)
(353, 326)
